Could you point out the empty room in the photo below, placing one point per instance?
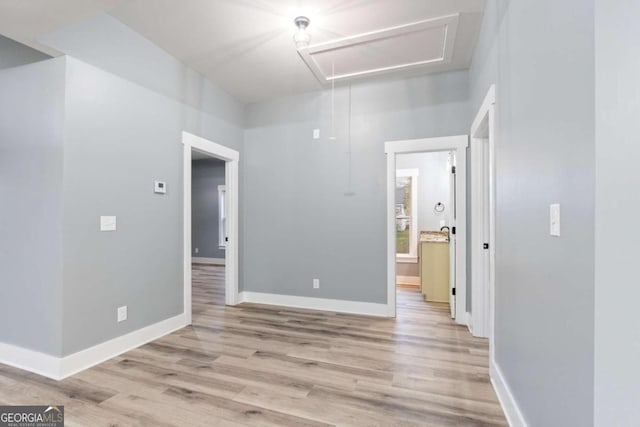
(319, 213)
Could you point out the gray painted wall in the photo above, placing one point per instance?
(119, 138)
(541, 56)
(433, 187)
(31, 162)
(206, 175)
(123, 131)
(617, 343)
(127, 106)
(296, 210)
(13, 54)
(107, 43)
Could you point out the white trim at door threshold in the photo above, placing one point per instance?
(321, 304)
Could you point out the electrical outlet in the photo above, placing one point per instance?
(196, 250)
(316, 134)
(316, 283)
(160, 187)
(122, 313)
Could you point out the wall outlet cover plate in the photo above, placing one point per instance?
(160, 187)
(122, 313)
(108, 223)
(554, 220)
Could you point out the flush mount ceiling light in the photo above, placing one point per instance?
(301, 37)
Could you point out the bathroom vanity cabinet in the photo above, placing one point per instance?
(434, 265)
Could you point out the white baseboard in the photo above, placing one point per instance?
(58, 368)
(213, 261)
(322, 304)
(408, 280)
(507, 400)
(30, 360)
(85, 359)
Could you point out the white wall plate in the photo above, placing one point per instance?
(108, 223)
(160, 187)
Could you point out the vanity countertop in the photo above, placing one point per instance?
(434, 236)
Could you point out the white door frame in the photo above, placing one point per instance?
(483, 281)
(231, 158)
(458, 144)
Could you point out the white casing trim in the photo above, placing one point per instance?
(204, 260)
(507, 400)
(482, 278)
(232, 183)
(58, 368)
(320, 304)
(408, 280)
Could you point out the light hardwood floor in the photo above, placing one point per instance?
(269, 366)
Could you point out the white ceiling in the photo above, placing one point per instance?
(246, 46)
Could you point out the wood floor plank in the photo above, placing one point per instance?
(275, 366)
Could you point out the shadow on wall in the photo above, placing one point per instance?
(14, 54)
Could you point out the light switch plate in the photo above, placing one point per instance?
(108, 223)
(554, 220)
(316, 134)
(160, 187)
(122, 313)
(316, 283)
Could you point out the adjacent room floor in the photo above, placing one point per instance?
(256, 365)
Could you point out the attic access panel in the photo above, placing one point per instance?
(392, 49)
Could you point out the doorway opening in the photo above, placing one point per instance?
(483, 219)
(425, 211)
(210, 216)
(208, 230)
(403, 222)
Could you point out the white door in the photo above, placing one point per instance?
(452, 234)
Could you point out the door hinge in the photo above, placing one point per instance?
(453, 230)
(453, 291)
(453, 170)
(485, 245)
(226, 239)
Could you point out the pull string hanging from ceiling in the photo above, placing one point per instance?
(350, 191)
(302, 40)
(333, 101)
